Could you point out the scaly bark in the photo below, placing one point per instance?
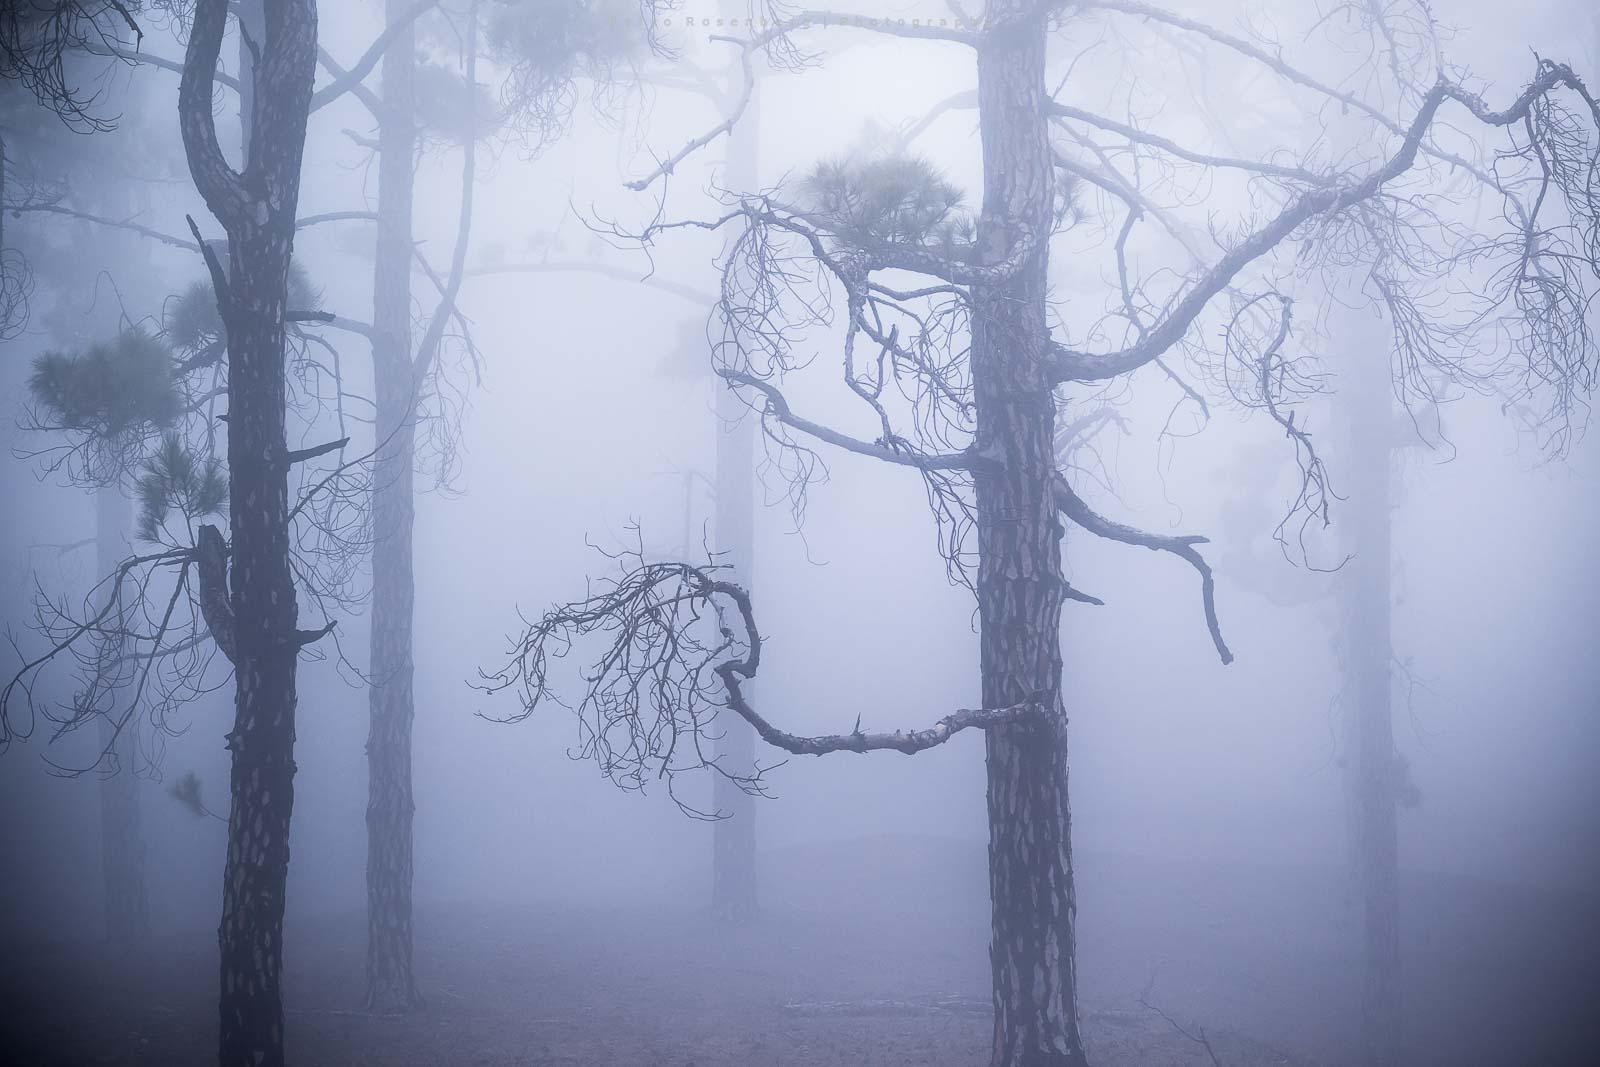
(1020, 585)
(391, 985)
(256, 206)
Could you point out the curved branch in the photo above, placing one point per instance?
(346, 80)
(1072, 365)
(908, 741)
(801, 20)
(1074, 508)
(668, 165)
(101, 220)
(428, 349)
(674, 654)
(149, 59)
(1134, 134)
(219, 184)
(778, 406)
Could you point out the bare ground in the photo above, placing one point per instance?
(870, 957)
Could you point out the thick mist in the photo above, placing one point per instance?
(1215, 906)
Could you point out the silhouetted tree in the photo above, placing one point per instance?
(965, 378)
(247, 588)
(404, 368)
(546, 47)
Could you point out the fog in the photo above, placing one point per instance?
(561, 919)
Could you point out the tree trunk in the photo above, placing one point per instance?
(264, 610)
(1372, 768)
(390, 982)
(121, 837)
(255, 624)
(733, 854)
(1019, 584)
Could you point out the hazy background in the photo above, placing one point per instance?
(576, 430)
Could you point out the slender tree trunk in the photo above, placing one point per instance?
(733, 862)
(121, 837)
(390, 982)
(255, 622)
(1019, 582)
(1372, 767)
(4, 165)
(733, 854)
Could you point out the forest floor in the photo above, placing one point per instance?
(887, 967)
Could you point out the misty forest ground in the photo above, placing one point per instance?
(869, 953)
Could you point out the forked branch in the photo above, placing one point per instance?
(1075, 508)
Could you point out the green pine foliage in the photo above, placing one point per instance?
(111, 389)
(191, 321)
(176, 478)
(889, 200)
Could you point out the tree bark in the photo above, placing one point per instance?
(121, 835)
(1019, 584)
(733, 855)
(1372, 768)
(391, 985)
(264, 611)
(257, 208)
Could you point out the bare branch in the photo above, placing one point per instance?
(1074, 508)
(747, 90)
(678, 644)
(1072, 365)
(428, 348)
(346, 80)
(304, 454)
(895, 451)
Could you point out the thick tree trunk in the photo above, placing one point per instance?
(1372, 770)
(121, 836)
(733, 853)
(255, 623)
(390, 982)
(1019, 584)
(266, 646)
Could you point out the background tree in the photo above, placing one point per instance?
(403, 372)
(546, 49)
(38, 42)
(966, 357)
(114, 396)
(734, 874)
(556, 49)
